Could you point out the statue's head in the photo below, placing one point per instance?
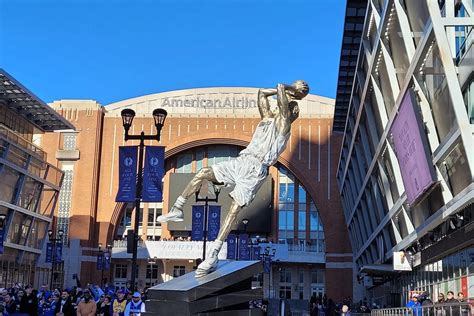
(301, 89)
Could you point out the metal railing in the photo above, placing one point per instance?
(23, 142)
(451, 309)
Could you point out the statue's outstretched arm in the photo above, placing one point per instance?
(263, 104)
(282, 100)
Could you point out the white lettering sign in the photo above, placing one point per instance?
(222, 103)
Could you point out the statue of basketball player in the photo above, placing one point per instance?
(247, 171)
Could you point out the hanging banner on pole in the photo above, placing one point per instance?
(214, 222)
(153, 174)
(58, 256)
(49, 252)
(127, 174)
(231, 246)
(197, 232)
(100, 261)
(256, 252)
(266, 264)
(244, 251)
(1, 240)
(107, 258)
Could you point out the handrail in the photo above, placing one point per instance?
(23, 142)
(447, 309)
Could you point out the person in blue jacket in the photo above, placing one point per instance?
(414, 305)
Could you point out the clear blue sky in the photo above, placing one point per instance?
(114, 50)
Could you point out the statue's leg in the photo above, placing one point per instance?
(195, 184)
(210, 264)
(176, 211)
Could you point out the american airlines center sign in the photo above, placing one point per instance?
(238, 101)
(197, 102)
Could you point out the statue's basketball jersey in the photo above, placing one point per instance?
(267, 143)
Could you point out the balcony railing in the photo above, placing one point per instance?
(10, 135)
(451, 309)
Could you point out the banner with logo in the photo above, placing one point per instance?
(214, 222)
(255, 252)
(244, 251)
(1, 240)
(127, 174)
(107, 258)
(153, 174)
(197, 232)
(266, 264)
(100, 261)
(231, 246)
(58, 256)
(49, 252)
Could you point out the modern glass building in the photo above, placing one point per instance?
(29, 186)
(406, 180)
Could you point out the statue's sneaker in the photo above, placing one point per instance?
(175, 215)
(207, 266)
(210, 264)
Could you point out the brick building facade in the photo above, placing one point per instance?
(200, 123)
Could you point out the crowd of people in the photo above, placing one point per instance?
(89, 301)
(419, 301)
(322, 306)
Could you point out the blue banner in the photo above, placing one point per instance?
(197, 232)
(231, 246)
(58, 256)
(255, 252)
(214, 222)
(49, 252)
(100, 261)
(153, 174)
(1, 240)
(107, 258)
(244, 251)
(266, 264)
(127, 174)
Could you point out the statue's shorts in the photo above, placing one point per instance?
(246, 172)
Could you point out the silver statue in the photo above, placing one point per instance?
(247, 172)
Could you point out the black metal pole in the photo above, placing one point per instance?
(206, 210)
(53, 244)
(137, 210)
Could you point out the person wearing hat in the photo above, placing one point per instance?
(119, 304)
(87, 306)
(414, 305)
(136, 306)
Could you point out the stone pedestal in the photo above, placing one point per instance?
(226, 291)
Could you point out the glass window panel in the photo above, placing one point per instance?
(200, 153)
(19, 228)
(151, 216)
(302, 220)
(301, 194)
(29, 194)
(290, 219)
(9, 183)
(37, 234)
(282, 220)
(434, 84)
(184, 162)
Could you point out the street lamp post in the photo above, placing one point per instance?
(152, 262)
(54, 240)
(206, 201)
(269, 252)
(159, 115)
